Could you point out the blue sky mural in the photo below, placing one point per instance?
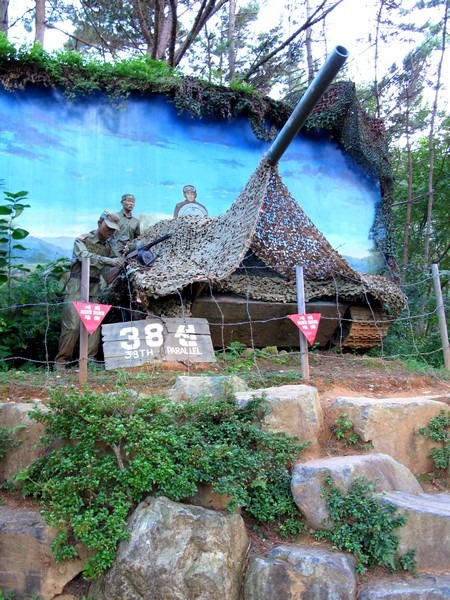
(77, 157)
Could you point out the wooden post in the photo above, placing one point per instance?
(304, 360)
(441, 315)
(84, 297)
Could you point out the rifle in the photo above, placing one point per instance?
(144, 255)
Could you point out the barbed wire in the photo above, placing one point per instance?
(132, 312)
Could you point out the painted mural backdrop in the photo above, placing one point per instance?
(77, 157)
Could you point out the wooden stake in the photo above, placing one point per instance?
(441, 315)
(83, 359)
(304, 360)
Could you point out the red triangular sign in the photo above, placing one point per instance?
(308, 325)
(91, 314)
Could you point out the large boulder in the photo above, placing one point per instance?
(25, 433)
(27, 567)
(426, 587)
(427, 529)
(292, 572)
(392, 426)
(307, 481)
(215, 387)
(293, 409)
(177, 551)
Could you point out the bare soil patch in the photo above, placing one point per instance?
(332, 374)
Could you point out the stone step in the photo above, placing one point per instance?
(392, 426)
(307, 480)
(427, 529)
(426, 587)
(292, 571)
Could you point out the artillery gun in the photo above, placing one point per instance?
(238, 270)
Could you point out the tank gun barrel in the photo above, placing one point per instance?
(315, 91)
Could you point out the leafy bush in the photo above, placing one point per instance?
(364, 526)
(121, 448)
(30, 314)
(7, 441)
(439, 431)
(344, 431)
(80, 75)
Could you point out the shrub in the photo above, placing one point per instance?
(121, 448)
(439, 430)
(364, 526)
(7, 441)
(344, 431)
(30, 314)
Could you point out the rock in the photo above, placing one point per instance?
(426, 587)
(27, 435)
(294, 410)
(427, 529)
(392, 426)
(177, 551)
(27, 567)
(307, 480)
(292, 572)
(195, 388)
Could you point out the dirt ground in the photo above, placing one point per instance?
(332, 374)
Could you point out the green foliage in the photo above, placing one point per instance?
(364, 525)
(11, 208)
(30, 314)
(236, 84)
(7, 595)
(344, 431)
(120, 448)
(80, 75)
(7, 441)
(236, 358)
(418, 352)
(438, 430)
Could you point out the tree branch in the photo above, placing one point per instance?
(306, 25)
(207, 10)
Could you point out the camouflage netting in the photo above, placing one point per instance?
(364, 138)
(252, 250)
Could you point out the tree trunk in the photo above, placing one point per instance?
(308, 43)
(231, 38)
(4, 16)
(426, 254)
(40, 22)
(375, 75)
(407, 226)
(434, 112)
(207, 10)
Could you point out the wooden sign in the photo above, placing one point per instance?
(308, 324)
(91, 314)
(135, 343)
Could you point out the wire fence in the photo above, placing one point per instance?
(398, 339)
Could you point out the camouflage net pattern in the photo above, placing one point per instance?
(252, 250)
(364, 139)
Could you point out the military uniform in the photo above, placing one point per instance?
(130, 229)
(102, 255)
